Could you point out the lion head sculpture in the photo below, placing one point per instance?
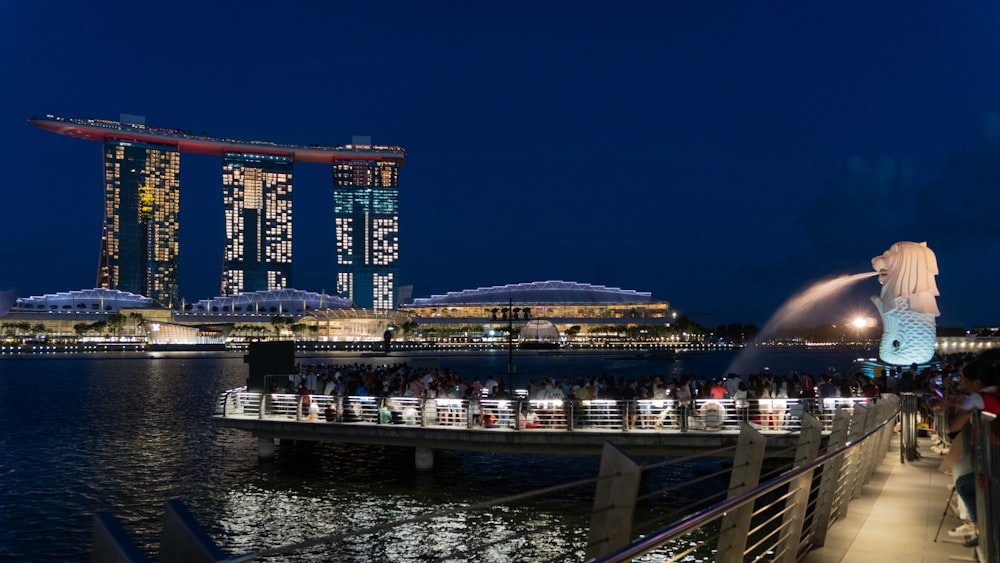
(908, 302)
(906, 271)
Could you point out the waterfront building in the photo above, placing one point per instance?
(139, 251)
(578, 310)
(89, 314)
(366, 213)
(139, 243)
(257, 193)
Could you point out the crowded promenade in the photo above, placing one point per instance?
(401, 394)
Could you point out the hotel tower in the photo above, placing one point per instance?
(257, 194)
(139, 246)
(141, 201)
(366, 211)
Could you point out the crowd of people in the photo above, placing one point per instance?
(971, 386)
(757, 398)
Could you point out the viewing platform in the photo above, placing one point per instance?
(644, 427)
(900, 516)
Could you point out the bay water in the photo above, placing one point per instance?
(123, 433)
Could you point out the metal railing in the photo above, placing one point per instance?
(983, 436)
(779, 415)
(784, 516)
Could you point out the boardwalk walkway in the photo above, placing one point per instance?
(897, 517)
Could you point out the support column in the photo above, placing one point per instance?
(855, 460)
(808, 448)
(265, 448)
(423, 458)
(745, 476)
(822, 515)
(614, 503)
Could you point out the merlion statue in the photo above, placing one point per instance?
(908, 303)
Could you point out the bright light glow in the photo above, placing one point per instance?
(860, 322)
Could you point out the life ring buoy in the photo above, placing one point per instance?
(713, 414)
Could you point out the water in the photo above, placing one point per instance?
(123, 434)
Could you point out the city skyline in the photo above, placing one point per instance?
(140, 243)
(722, 157)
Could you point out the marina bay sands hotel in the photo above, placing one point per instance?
(139, 244)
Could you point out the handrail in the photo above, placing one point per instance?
(710, 415)
(657, 539)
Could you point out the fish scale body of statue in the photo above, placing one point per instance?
(908, 303)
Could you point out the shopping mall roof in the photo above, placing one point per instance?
(97, 299)
(538, 293)
(275, 300)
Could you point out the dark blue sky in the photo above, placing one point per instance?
(720, 155)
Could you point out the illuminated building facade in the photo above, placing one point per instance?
(139, 243)
(366, 214)
(571, 307)
(257, 193)
(139, 246)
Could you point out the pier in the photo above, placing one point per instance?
(644, 427)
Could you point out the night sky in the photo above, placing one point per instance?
(721, 155)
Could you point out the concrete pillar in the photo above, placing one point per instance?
(747, 461)
(855, 460)
(808, 448)
(265, 447)
(829, 479)
(423, 458)
(614, 503)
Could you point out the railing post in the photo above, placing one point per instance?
(908, 428)
(871, 448)
(614, 503)
(571, 417)
(810, 435)
(262, 406)
(828, 481)
(855, 459)
(986, 465)
(745, 476)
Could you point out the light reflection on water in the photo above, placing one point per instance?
(123, 435)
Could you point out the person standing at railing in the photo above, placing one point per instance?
(779, 401)
(304, 399)
(630, 395)
(684, 399)
(979, 377)
(330, 412)
(741, 399)
(868, 388)
(718, 390)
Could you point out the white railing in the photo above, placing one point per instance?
(767, 415)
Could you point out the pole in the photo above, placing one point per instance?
(510, 347)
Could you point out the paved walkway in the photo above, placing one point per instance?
(896, 517)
